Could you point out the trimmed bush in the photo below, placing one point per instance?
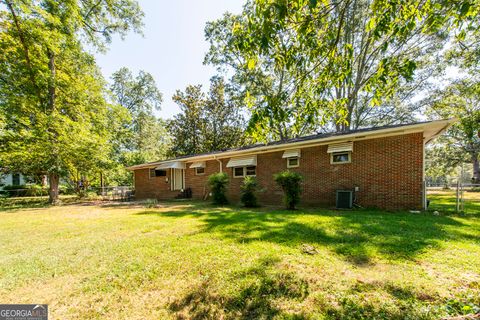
(291, 185)
(218, 185)
(249, 189)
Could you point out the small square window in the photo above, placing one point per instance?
(293, 162)
(199, 171)
(238, 172)
(341, 157)
(251, 171)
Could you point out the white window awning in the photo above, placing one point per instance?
(197, 165)
(291, 153)
(340, 147)
(171, 165)
(242, 162)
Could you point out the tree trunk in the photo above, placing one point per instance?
(53, 188)
(476, 169)
(51, 82)
(54, 177)
(44, 180)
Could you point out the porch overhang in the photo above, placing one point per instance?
(200, 164)
(242, 162)
(171, 165)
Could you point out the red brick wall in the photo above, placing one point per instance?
(198, 184)
(155, 187)
(387, 170)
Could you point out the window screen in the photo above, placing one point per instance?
(341, 157)
(157, 173)
(292, 162)
(251, 171)
(238, 172)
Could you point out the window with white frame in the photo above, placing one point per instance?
(293, 157)
(293, 162)
(341, 157)
(240, 172)
(199, 171)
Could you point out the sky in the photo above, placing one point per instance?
(172, 47)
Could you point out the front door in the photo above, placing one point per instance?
(177, 180)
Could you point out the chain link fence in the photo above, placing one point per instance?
(459, 197)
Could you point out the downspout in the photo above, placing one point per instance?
(220, 164)
(424, 183)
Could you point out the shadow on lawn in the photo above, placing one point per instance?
(266, 293)
(20, 203)
(254, 300)
(358, 236)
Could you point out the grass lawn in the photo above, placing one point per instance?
(190, 260)
(445, 201)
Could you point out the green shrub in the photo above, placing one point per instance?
(218, 185)
(291, 185)
(66, 190)
(151, 203)
(249, 189)
(24, 191)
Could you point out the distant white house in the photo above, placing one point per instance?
(12, 179)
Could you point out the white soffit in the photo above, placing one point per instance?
(340, 147)
(171, 165)
(295, 153)
(198, 165)
(242, 162)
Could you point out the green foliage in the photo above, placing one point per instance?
(290, 182)
(188, 125)
(206, 122)
(140, 136)
(461, 143)
(304, 63)
(54, 119)
(249, 189)
(224, 122)
(150, 203)
(24, 191)
(137, 94)
(218, 183)
(455, 306)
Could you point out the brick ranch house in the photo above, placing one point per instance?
(384, 166)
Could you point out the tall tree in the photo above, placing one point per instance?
(224, 120)
(206, 122)
(52, 92)
(301, 63)
(462, 141)
(145, 137)
(188, 126)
